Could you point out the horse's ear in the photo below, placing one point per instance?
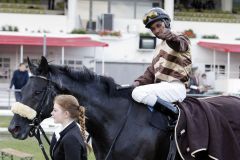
(32, 67)
(43, 66)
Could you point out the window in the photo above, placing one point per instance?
(4, 68)
(73, 64)
(208, 68)
(155, 4)
(236, 6)
(70, 62)
(79, 62)
(147, 42)
(219, 69)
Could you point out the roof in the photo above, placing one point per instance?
(51, 41)
(224, 47)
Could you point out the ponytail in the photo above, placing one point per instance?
(81, 120)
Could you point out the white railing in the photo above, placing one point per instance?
(233, 75)
(7, 97)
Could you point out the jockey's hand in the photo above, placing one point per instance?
(136, 83)
(168, 35)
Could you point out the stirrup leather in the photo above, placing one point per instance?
(166, 108)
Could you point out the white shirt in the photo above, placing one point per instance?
(60, 129)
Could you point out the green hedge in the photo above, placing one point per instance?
(207, 17)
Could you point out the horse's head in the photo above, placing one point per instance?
(36, 103)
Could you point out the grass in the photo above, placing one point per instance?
(4, 121)
(30, 145)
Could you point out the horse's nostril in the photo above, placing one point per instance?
(14, 129)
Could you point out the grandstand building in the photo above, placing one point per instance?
(113, 40)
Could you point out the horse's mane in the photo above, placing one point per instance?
(84, 75)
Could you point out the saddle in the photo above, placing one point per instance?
(164, 109)
(210, 126)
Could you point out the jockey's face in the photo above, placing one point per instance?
(158, 28)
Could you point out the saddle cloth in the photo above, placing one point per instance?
(211, 125)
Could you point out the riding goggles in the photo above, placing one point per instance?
(150, 15)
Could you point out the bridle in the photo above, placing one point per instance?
(36, 128)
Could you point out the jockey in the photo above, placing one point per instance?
(166, 78)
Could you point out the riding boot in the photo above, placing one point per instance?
(166, 108)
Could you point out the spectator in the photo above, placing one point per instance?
(194, 82)
(19, 79)
(203, 84)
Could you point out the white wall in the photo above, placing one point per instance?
(72, 15)
(231, 86)
(125, 49)
(123, 9)
(35, 23)
(58, 23)
(225, 31)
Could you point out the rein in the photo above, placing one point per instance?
(118, 133)
(37, 130)
(172, 148)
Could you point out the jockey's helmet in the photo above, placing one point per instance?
(156, 14)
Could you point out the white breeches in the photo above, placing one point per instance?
(168, 91)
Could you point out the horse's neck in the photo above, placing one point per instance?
(105, 123)
(104, 113)
(101, 109)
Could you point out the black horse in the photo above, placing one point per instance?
(112, 115)
(119, 126)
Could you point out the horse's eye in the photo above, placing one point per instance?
(37, 92)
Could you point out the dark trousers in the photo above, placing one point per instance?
(18, 96)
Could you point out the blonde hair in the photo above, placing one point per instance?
(70, 103)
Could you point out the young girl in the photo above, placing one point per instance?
(69, 143)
